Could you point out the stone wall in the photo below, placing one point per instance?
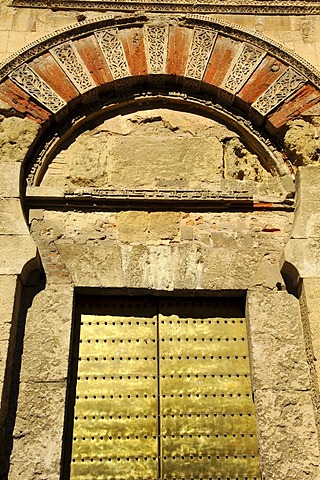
(140, 251)
(57, 247)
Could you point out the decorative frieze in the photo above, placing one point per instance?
(69, 60)
(242, 67)
(284, 86)
(157, 42)
(35, 86)
(276, 7)
(113, 52)
(200, 51)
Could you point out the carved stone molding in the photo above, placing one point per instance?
(31, 83)
(68, 59)
(290, 7)
(113, 52)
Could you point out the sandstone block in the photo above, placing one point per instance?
(268, 272)
(186, 233)
(16, 136)
(288, 435)
(229, 267)
(12, 221)
(187, 267)
(302, 142)
(8, 286)
(10, 179)
(46, 348)
(133, 226)
(164, 225)
(93, 265)
(16, 251)
(311, 295)
(215, 264)
(278, 350)
(136, 266)
(151, 161)
(38, 431)
(148, 266)
(304, 255)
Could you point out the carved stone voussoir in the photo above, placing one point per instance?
(281, 89)
(35, 86)
(201, 48)
(69, 60)
(113, 52)
(101, 23)
(157, 41)
(242, 67)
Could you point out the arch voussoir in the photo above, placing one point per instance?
(188, 54)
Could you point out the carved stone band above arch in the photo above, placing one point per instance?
(290, 7)
(266, 84)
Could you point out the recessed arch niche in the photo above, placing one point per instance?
(159, 142)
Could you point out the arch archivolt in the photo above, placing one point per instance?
(268, 85)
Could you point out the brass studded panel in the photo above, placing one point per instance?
(207, 415)
(116, 418)
(164, 392)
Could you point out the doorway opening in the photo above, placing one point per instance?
(162, 390)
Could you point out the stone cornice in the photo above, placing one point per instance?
(288, 7)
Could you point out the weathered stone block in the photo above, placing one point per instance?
(304, 255)
(310, 296)
(93, 265)
(133, 226)
(287, 435)
(277, 341)
(10, 179)
(164, 225)
(268, 272)
(12, 220)
(136, 266)
(215, 264)
(187, 266)
(16, 251)
(8, 286)
(16, 136)
(307, 181)
(47, 336)
(148, 266)
(229, 268)
(302, 143)
(38, 431)
(151, 161)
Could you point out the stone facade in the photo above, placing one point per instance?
(166, 155)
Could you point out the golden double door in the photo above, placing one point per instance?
(163, 391)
